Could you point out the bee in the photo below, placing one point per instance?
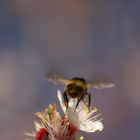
(77, 87)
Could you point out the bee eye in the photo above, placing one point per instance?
(70, 87)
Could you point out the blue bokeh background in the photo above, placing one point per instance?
(87, 38)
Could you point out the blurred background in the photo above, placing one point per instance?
(87, 38)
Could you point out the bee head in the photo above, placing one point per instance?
(77, 83)
(82, 80)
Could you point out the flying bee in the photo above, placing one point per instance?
(78, 88)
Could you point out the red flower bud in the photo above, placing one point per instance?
(41, 134)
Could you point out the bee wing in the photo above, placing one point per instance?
(56, 79)
(100, 84)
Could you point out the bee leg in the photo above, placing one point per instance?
(66, 99)
(89, 100)
(77, 104)
(79, 99)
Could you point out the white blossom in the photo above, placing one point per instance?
(82, 117)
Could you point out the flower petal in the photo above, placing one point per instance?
(90, 126)
(59, 95)
(38, 126)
